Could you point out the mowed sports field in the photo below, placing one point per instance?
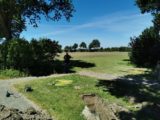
(116, 63)
(60, 97)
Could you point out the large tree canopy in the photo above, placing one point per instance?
(152, 6)
(145, 48)
(15, 13)
(95, 44)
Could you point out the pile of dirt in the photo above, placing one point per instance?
(15, 114)
(98, 109)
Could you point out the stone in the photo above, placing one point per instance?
(31, 111)
(2, 107)
(15, 114)
(28, 88)
(132, 100)
(98, 109)
(8, 94)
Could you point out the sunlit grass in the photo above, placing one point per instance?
(106, 62)
(64, 101)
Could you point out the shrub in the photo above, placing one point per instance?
(35, 58)
(11, 73)
(44, 52)
(144, 48)
(19, 54)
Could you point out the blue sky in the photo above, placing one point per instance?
(113, 22)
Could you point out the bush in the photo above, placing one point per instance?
(44, 52)
(35, 58)
(19, 54)
(144, 51)
(11, 73)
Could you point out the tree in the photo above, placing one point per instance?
(67, 48)
(43, 52)
(143, 48)
(74, 47)
(94, 45)
(15, 13)
(83, 45)
(152, 6)
(19, 54)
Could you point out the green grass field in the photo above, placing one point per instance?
(116, 63)
(62, 100)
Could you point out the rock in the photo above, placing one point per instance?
(15, 114)
(8, 94)
(138, 106)
(89, 115)
(31, 111)
(2, 107)
(132, 100)
(98, 109)
(28, 88)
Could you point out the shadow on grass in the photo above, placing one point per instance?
(128, 60)
(59, 66)
(140, 89)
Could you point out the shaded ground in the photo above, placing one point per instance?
(141, 91)
(60, 67)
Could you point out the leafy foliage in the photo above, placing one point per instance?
(95, 44)
(11, 73)
(67, 48)
(36, 57)
(74, 47)
(44, 52)
(144, 47)
(18, 54)
(15, 13)
(148, 5)
(152, 6)
(83, 45)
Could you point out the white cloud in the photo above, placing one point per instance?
(109, 29)
(117, 22)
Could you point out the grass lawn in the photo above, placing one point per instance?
(61, 99)
(105, 62)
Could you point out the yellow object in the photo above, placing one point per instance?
(63, 82)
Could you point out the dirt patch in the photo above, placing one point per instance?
(15, 114)
(98, 109)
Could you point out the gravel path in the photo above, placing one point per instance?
(102, 76)
(17, 100)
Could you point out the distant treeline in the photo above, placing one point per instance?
(101, 49)
(94, 46)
